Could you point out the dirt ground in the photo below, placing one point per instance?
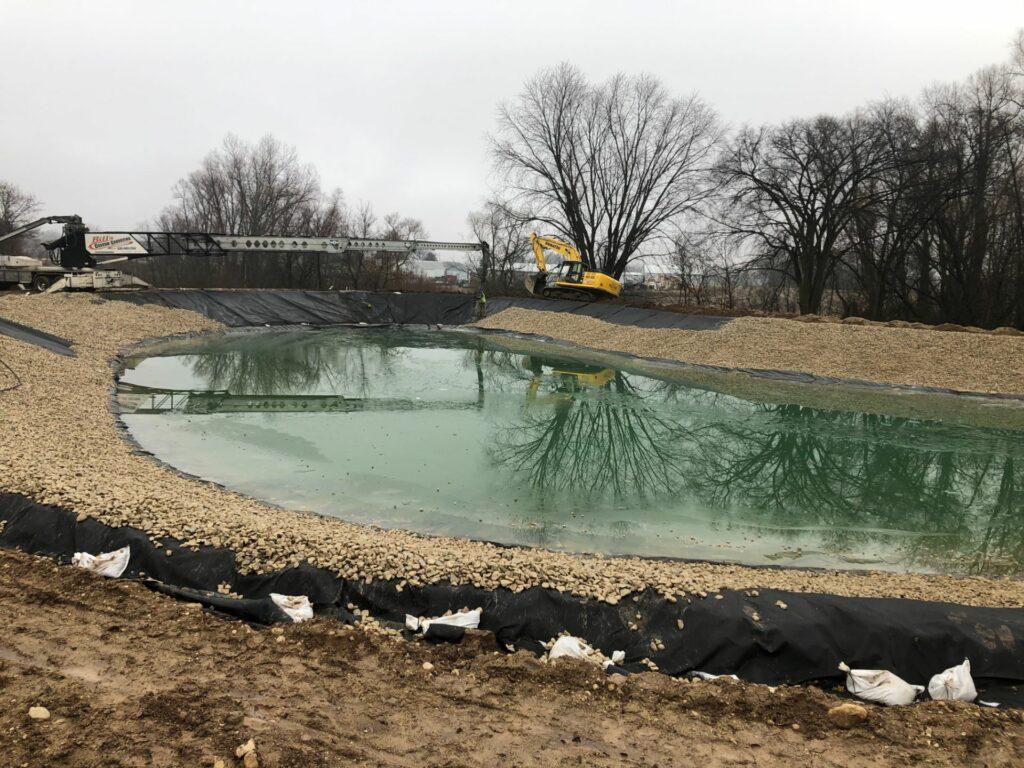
(133, 678)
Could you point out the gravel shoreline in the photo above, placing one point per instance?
(974, 362)
(60, 444)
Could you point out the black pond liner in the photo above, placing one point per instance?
(237, 308)
(35, 336)
(241, 308)
(802, 643)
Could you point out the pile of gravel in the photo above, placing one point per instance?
(975, 362)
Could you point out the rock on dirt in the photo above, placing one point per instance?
(848, 715)
(39, 713)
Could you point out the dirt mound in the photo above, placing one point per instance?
(145, 680)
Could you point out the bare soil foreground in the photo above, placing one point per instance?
(132, 678)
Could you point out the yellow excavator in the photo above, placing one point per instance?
(569, 280)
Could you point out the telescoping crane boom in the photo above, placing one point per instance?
(82, 259)
(79, 248)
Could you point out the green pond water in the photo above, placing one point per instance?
(459, 434)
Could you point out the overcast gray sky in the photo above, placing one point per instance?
(106, 104)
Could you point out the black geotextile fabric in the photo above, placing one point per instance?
(619, 314)
(238, 308)
(802, 643)
(37, 337)
(241, 308)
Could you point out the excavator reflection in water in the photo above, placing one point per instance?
(566, 379)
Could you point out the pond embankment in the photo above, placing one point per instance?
(60, 444)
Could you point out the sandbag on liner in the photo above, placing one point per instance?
(953, 684)
(109, 564)
(297, 607)
(880, 686)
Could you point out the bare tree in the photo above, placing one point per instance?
(973, 272)
(396, 227)
(16, 209)
(496, 225)
(792, 190)
(243, 188)
(607, 166)
(903, 199)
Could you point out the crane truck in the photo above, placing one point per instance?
(81, 260)
(54, 274)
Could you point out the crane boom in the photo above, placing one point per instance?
(65, 220)
(78, 247)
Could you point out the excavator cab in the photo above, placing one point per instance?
(569, 272)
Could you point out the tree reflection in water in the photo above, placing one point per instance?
(852, 478)
(296, 362)
(578, 435)
(590, 444)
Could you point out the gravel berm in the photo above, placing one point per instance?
(972, 362)
(60, 444)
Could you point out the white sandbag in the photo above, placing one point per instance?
(880, 686)
(467, 619)
(109, 564)
(708, 676)
(297, 607)
(953, 684)
(575, 648)
(570, 646)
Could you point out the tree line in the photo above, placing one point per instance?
(263, 187)
(901, 209)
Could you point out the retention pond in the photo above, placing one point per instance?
(472, 435)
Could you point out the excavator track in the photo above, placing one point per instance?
(574, 294)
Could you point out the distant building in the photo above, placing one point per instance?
(440, 272)
(633, 278)
(661, 277)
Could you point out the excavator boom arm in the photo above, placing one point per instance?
(572, 281)
(546, 242)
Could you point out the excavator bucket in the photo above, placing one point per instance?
(535, 283)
